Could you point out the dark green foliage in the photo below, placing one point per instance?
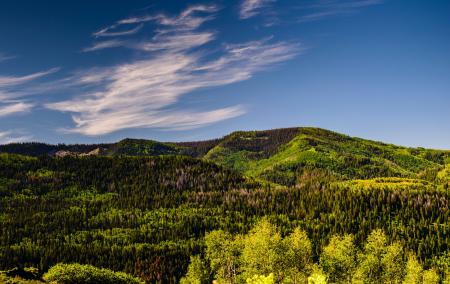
(28, 273)
(42, 149)
(197, 148)
(122, 213)
(127, 147)
(140, 147)
(261, 144)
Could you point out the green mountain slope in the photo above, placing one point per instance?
(345, 157)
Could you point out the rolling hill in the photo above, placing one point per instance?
(279, 156)
(282, 155)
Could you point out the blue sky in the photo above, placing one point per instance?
(97, 71)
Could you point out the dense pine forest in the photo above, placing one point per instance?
(153, 209)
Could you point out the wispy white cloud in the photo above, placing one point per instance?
(106, 33)
(144, 93)
(175, 42)
(105, 44)
(317, 10)
(172, 32)
(8, 81)
(185, 20)
(14, 88)
(4, 57)
(251, 8)
(17, 87)
(7, 137)
(14, 108)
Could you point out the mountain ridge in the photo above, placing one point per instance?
(278, 155)
(49, 148)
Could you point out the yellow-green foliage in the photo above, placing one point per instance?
(41, 173)
(338, 258)
(222, 253)
(386, 183)
(413, 271)
(379, 262)
(317, 276)
(443, 176)
(14, 160)
(225, 157)
(260, 249)
(197, 272)
(17, 280)
(261, 279)
(87, 274)
(430, 276)
(263, 251)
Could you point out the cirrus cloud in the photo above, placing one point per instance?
(15, 107)
(14, 88)
(9, 81)
(318, 10)
(143, 93)
(4, 57)
(251, 8)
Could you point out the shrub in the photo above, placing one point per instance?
(77, 273)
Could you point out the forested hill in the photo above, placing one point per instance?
(125, 213)
(145, 207)
(279, 155)
(147, 215)
(125, 147)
